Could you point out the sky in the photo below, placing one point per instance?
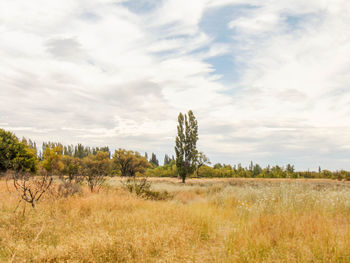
(268, 81)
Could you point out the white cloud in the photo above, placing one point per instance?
(257, 23)
(95, 72)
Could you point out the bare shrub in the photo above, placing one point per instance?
(30, 188)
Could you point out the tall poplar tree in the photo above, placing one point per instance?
(154, 161)
(167, 159)
(186, 144)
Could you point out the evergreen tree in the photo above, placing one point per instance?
(256, 170)
(167, 160)
(154, 161)
(68, 150)
(186, 144)
(80, 151)
(290, 168)
(251, 166)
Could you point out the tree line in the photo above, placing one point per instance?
(93, 164)
(32, 171)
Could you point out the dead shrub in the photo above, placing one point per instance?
(29, 187)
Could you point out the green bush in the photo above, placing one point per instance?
(142, 188)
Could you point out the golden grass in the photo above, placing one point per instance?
(206, 221)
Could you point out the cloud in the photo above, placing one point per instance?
(257, 23)
(267, 81)
(65, 48)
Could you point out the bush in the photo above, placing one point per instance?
(142, 188)
(66, 189)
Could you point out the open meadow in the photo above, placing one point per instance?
(204, 220)
(171, 131)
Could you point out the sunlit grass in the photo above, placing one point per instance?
(203, 222)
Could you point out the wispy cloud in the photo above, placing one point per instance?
(268, 80)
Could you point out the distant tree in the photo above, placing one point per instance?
(95, 150)
(72, 170)
(251, 166)
(201, 159)
(327, 174)
(185, 144)
(16, 155)
(234, 168)
(276, 172)
(106, 149)
(218, 166)
(154, 161)
(95, 169)
(68, 150)
(81, 151)
(129, 163)
(167, 159)
(256, 171)
(52, 159)
(29, 143)
(290, 168)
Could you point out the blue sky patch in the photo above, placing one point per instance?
(225, 65)
(142, 6)
(215, 21)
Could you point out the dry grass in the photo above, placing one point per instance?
(206, 221)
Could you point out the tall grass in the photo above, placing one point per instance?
(204, 222)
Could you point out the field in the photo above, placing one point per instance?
(205, 220)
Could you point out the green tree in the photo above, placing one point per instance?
(68, 150)
(186, 144)
(72, 168)
(217, 166)
(251, 166)
(201, 159)
(154, 161)
(129, 163)
(167, 159)
(16, 155)
(256, 170)
(96, 168)
(81, 151)
(290, 168)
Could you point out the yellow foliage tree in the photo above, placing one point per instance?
(129, 163)
(52, 160)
